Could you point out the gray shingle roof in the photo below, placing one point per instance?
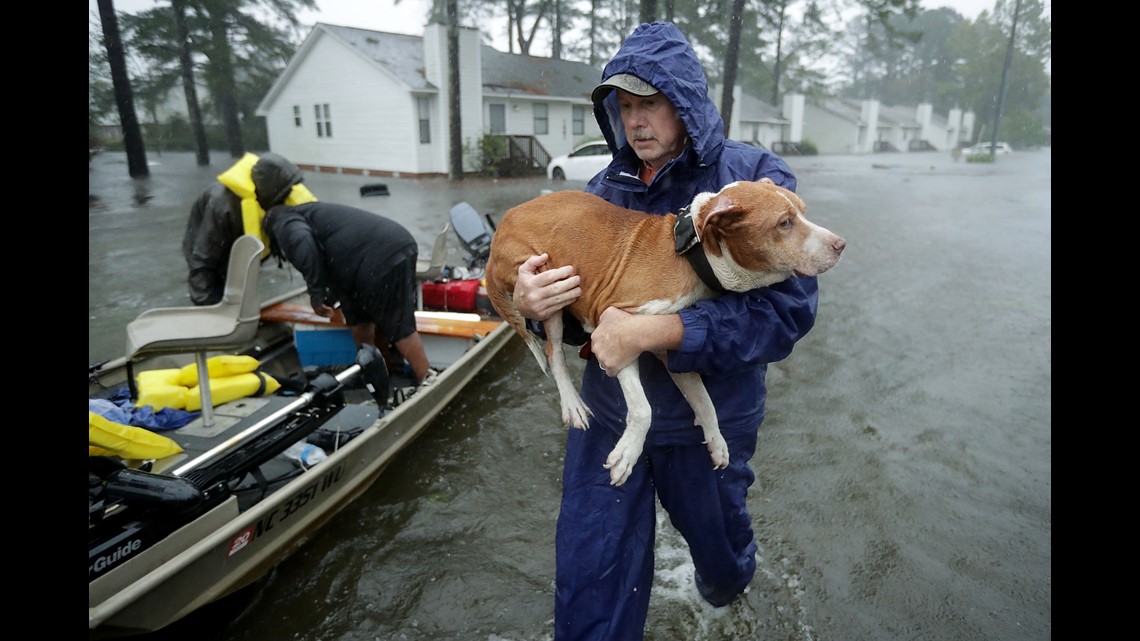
(503, 73)
(841, 108)
(753, 109)
(401, 55)
(903, 117)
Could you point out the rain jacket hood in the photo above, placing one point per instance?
(273, 178)
(659, 54)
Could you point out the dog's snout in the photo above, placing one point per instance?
(839, 245)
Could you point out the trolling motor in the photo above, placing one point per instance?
(374, 373)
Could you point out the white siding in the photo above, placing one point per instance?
(361, 97)
(869, 110)
(891, 133)
(560, 115)
(471, 126)
(793, 111)
(736, 130)
(561, 136)
(830, 133)
(767, 134)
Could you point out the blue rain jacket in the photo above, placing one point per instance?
(605, 534)
(728, 340)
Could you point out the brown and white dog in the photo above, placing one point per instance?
(751, 234)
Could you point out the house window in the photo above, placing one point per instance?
(422, 112)
(498, 119)
(541, 121)
(296, 115)
(579, 120)
(324, 120)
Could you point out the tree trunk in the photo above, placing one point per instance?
(224, 86)
(454, 110)
(1005, 78)
(510, 26)
(526, 41)
(124, 95)
(731, 55)
(556, 32)
(648, 10)
(188, 85)
(592, 34)
(776, 68)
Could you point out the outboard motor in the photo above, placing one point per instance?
(474, 232)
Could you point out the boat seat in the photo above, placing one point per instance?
(430, 269)
(227, 325)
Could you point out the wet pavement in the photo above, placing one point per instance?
(904, 472)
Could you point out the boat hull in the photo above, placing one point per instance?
(226, 549)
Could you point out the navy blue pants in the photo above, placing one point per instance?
(605, 534)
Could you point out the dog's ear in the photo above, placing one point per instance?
(716, 221)
(766, 180)
(720, 206)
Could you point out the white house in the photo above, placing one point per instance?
(849, 126)
(366, 102)
(898, 129)
(753, 120)
(837, 127)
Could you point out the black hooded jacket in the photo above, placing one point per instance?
(216, 222)
(341, 251)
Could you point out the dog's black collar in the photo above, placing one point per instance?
(685, 239)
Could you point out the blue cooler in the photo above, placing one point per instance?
(323, 346)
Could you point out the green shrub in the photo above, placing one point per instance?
(488, 155)
(983, 157)
(178, 135)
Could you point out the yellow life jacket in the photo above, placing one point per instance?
(229, 388)
(231, 378)
(108, 438)
(239, 179)
(217, 367)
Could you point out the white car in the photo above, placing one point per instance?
(582, 164)
(984, 148)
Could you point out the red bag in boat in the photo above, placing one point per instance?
(452, 295)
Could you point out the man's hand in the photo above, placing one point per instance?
(540, 293)
(323, 310)
(620, 337)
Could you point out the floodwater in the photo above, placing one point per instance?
(903, 475)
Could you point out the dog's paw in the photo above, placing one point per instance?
(620, 462)
(576, 414)
(718, 449)
(619, 468)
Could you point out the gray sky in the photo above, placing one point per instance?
(408, 15)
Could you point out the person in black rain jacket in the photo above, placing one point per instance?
(361, 262)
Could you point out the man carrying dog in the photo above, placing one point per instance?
(668, 142)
